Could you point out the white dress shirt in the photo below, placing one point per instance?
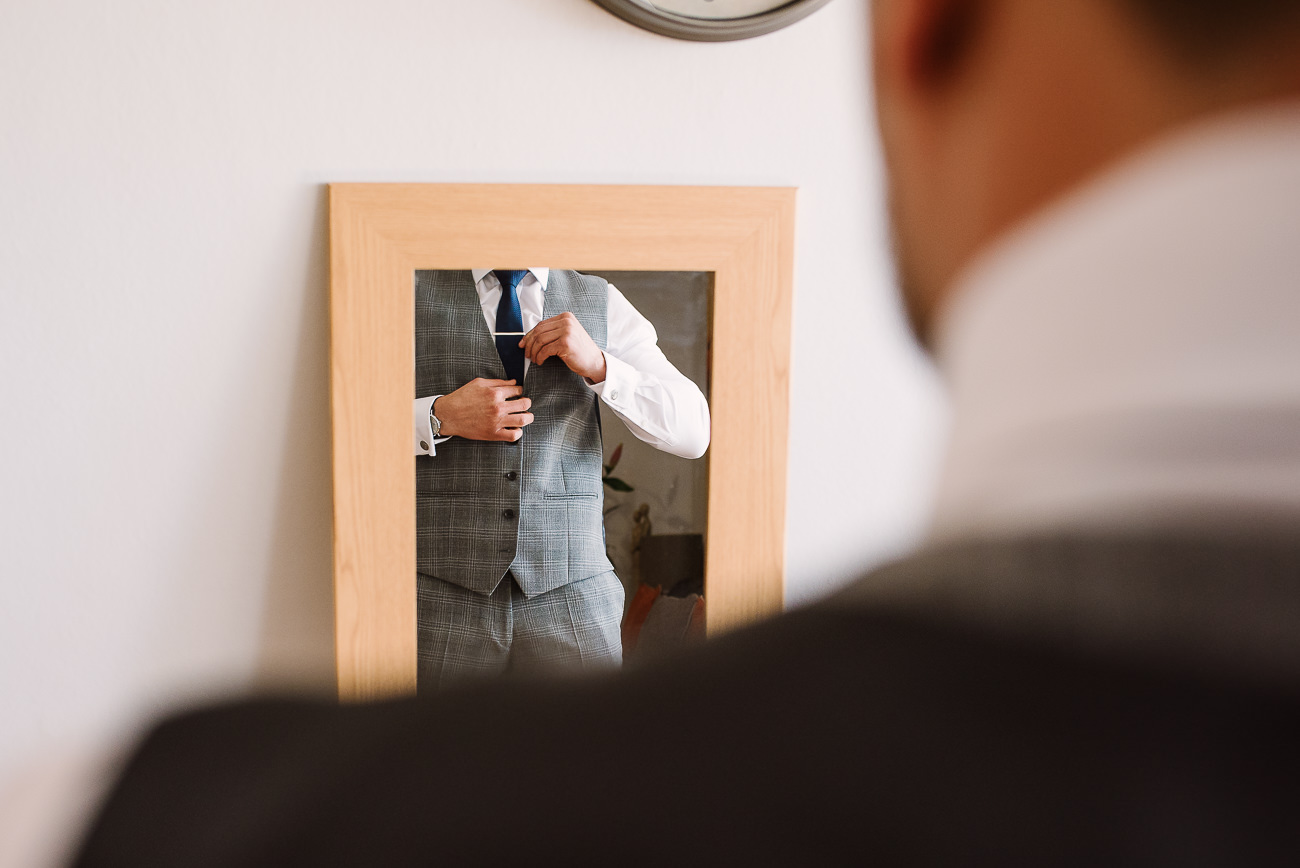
(656, 402)
(1130, 359)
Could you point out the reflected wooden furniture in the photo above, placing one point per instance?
(380, 234)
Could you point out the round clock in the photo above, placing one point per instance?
(712, 20)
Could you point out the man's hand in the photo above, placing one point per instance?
(484, 410)
(564, 336)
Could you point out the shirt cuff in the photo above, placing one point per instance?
(619, 384)
(424, 439)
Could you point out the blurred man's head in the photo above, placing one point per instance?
(989, 109)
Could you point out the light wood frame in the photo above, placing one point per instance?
(381, 233)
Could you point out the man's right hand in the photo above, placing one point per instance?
(484, 410)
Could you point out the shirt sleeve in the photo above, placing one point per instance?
(655, 400)
(424, 439)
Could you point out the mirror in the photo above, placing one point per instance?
(563, 529)
(381, 234)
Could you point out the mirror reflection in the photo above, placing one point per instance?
(557, 423)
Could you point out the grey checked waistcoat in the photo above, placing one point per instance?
(533, 507)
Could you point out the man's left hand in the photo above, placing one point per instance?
(564, 336)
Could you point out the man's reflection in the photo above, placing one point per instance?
(510, 371)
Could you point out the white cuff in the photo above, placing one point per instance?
(619, 385)
(424, 439)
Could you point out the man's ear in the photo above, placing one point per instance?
(922, 44)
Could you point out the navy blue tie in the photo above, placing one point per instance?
(510, 319)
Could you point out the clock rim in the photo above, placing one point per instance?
(710, 30)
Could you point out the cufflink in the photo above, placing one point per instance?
(424, 446)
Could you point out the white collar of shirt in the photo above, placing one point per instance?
(1130, 359)
(542, 274)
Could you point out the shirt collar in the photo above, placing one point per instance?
(1131, 355)
(542, 274)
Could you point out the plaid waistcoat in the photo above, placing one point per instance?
(533, 507)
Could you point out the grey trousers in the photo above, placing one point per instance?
(462, 635)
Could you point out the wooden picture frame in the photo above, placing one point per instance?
(380, 234)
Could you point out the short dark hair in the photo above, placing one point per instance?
(1206, 30)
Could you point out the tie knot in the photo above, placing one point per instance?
(510, 278)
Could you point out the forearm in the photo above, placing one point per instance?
(660, 406)
(657, 403)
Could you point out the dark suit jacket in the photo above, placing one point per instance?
(1032, 702)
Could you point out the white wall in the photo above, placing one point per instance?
(163, 323)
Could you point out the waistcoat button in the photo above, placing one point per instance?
(508, 513)
(511, 475)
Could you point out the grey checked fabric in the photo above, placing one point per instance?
(463, 634)
(535, 506)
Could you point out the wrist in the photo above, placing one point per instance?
(439, 424)
(597, 374)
